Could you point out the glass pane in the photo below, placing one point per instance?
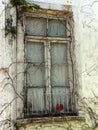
(60, 99)
(35, 52)
(36, 26)
(59, 53)
(35, 75)
(57, 28)
(35, 100)
(59, 71)
(59, 75)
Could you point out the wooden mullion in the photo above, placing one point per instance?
(42, 39)
(47, 76)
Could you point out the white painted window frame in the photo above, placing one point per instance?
(47, 54)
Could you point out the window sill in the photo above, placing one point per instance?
(49, 119)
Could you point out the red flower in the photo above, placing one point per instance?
(59, 107)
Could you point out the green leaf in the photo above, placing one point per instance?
(17, 2)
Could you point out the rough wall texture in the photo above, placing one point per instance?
(86, 51)
(74, 125)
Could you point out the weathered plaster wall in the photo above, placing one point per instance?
(86, 51)
(7, 71)
(86, 32)
(89, 46)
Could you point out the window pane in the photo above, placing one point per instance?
(35, 100)
(35, 52)
(59, 70)
(57, 28)
(59, 75)
(35, 75)
(36, 26)
(60, 96)
(59, 53)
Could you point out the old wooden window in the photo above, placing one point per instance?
(47, 84)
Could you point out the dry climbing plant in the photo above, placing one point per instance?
(9, 81)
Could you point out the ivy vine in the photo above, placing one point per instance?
(21, 6)
(16, 3)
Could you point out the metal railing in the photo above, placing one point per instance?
(54, 103)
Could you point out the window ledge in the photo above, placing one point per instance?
(49, 119)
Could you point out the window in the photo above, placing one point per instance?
(46, 55)
(45, 27)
